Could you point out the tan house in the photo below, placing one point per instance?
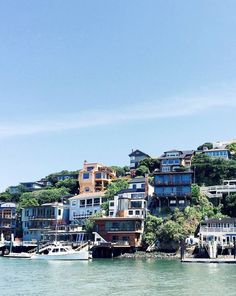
(95, 177)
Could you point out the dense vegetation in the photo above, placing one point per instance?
(209, 171)
(178, 225)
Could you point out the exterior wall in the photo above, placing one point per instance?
(82, 206)
(126, 232)
(217, 153)
(35, 220)
(7, 219)
(95, 177)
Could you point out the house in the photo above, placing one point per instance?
(84, 205)
(63, 177)
(222, 231)
(31, 186)
(37, 220)
(7, 219)
(217, 153)
(125, 225)
(135, 157)
(174, 159)
(95, 177)
(135, 197)
(120, 232)
(172, 185)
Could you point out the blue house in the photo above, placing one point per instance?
(172, 185)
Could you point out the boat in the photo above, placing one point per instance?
(57, 251)
(21, 255)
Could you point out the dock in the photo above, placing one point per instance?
(208, 260)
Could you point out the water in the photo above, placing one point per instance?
(115, 277)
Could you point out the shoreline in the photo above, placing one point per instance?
(149, 255)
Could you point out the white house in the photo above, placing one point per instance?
(84, 205)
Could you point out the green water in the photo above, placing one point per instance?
(115, 277)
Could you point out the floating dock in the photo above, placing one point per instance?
(208, 260)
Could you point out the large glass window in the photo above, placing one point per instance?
(85, 175)
(136, 204)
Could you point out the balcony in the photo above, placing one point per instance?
(222, 230)
(43, 218)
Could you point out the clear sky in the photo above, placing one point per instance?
(94, 79)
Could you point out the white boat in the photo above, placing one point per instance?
(18, 255)
(57, 251)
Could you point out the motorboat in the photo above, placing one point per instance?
(58, 251)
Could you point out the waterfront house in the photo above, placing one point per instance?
(172, 184)
(222, 231)
(120, 232)
(84, 205)
(95, 177)
(7, 219)
(37, 220)
(125, 224)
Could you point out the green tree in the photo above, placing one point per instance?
(115, 186)
(152, 224)
(45, 196)
(71, 185)
(211, 171)
(120, 171)
(151, 163)
(142, 170)
(207, 145)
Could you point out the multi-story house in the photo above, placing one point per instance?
(37, 220)
(84, 205)
(172, 185)
(135, 158)
(127, 211)
(7, 219)
(135, 198)
(95, 177)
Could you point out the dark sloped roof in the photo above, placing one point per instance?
(138, 153)
(183, 153)
(219, 220)
(129, 190)
(137, 180)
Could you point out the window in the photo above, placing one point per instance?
(98, 175)
(181, 201)
(73, 203)
(111, 213)
(111, 203)
(142, 185)
(90, 168)
(134, 186)
(137, 212)
(86, 189)
(85, 176)
(59, 212)
(96, 201)
(172, 202)
(82, 203)
(89, 202)
(130, 213)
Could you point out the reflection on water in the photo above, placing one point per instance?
(115, 277)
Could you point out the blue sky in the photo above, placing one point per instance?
(94, 79)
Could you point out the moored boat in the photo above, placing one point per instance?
(57, 251)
